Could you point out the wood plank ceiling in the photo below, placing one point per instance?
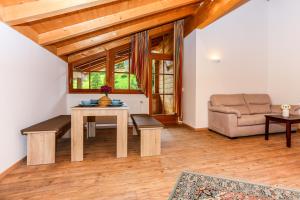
(81, 30)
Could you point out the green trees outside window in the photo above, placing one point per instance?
(93, 75)
(123, 79)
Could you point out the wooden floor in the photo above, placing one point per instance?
(102, 176)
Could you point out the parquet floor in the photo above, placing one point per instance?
(102, 176)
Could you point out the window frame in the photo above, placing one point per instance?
(112, 69)
(110, 66)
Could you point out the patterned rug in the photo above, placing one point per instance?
(192, 186)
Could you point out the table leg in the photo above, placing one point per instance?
(122, 128)
(267, 129)
(288, 134)
(76, 136)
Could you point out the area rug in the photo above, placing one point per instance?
(192, 186)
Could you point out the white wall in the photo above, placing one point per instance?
(33, 88)
(284, 51)
(239, 39)
(137, 103)
(189, 81)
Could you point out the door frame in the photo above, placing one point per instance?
(165, 119)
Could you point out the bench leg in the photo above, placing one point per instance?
(40, 148)
(150, 142)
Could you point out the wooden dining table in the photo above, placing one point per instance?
(77, 123)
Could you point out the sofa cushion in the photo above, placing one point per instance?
(242, 108)
(235, 101)
(249, 120)
(258, 103)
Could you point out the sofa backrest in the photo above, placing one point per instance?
(245, 103)
(258, 103)
(236, 101)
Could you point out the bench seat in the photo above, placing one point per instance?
(145, 121)
(150, 131)
(41, 139)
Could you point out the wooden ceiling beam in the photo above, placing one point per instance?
(1, 13)
(92, 63)
(219, 9)
(85, 60)
(33, 35)
(210, 11)
(94, 68)
(40, 9)
(111, 20)
(117, 43)
(96, 50)
(141, 25)
(27, 31)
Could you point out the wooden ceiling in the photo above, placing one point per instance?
(82, 30)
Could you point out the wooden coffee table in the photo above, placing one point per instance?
(292, 119)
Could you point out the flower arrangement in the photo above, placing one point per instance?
(105, 100)
(285, 110)
(105, 89)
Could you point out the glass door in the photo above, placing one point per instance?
(163, 90)
(162, 98)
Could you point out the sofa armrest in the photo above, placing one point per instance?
(223, 123)
(295, 109)
(225, 109)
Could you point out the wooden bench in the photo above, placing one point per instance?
(150, 131)
(41, 139)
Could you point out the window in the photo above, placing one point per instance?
(89, 77)
(162, 44)
(123, 79)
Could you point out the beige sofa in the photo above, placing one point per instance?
(236, 115)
